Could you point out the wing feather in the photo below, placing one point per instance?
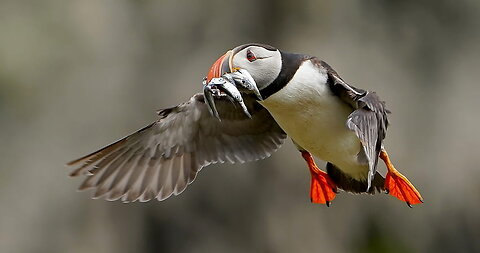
(162, 158)
(368, 120)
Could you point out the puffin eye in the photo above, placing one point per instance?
(250, 56)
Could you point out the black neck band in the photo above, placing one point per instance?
(290, 65)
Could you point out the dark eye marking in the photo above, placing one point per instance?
(251, 56)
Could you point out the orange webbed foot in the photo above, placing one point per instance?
(322, 188)
(398, 185)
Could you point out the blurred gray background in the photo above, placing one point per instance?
(76, 75)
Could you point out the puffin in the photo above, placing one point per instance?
(282, 95)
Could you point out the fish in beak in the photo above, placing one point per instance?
(223, 80)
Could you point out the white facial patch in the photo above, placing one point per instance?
(264, 69)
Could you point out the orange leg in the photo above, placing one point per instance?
(322, 188)
(398, 185)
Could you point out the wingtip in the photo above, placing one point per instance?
(73, 162)
(73, 174)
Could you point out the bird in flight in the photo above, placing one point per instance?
(254, 97)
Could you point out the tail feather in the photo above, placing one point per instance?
(349, 184)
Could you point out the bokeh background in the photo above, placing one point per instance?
(76, 75)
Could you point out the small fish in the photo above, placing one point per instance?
(226, 85)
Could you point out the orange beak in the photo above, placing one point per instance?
(221, 66)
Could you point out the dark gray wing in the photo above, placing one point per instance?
(368, 120)
(162, 158)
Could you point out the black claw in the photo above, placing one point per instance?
(328, 203)
(387, 191)
(408, 204)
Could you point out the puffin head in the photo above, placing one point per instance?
(263, 62)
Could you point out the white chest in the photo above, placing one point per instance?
(315, 119)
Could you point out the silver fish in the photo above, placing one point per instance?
(226, 85)
(244, 81)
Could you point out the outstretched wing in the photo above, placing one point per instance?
(368, 120)
(162, 158)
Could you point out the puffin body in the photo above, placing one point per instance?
(314, 118)
(281, 95)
